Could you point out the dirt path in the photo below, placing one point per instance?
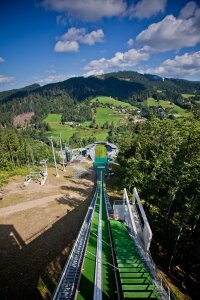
(38, 225)
(6, 211)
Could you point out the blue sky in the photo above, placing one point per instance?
(44, 41)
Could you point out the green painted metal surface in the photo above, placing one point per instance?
(86, 287)
(136, 281)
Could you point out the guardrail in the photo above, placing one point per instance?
(68, 283)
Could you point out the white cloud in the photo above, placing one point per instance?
(173, 33)
(87, 10)
(1, 59)
(95, 10)
(66, 46)
(69, 42)
(93, 37)
(5, 79)
(119, 61)
(181, 66)
(147, 8)
(188, 10)
(51, 79)
(130, 42)
(80, 35)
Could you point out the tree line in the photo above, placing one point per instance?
(19, 148)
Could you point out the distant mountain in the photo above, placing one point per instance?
(127, 86)
(9, 95)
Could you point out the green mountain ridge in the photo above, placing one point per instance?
(127, 86)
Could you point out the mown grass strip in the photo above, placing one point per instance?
(108, 272)
(86, 287)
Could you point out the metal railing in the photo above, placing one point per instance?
(68, 283)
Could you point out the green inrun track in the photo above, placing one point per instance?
(119, 272)
(136, 283)
(86, 287)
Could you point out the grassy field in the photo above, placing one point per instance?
(166, 104)
(105, 114)
(67, 131)
(187, 95)
(57, 128)
(52, 118)
(112, 101)
(100, 134)
(163, 103)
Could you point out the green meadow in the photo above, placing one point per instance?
(111, 101)
(167, 104)
(106, 114)
(103, 115)
(53, 118)
(67, 131)
(187, 95)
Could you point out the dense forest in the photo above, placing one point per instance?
(79, 113)
(21, 148)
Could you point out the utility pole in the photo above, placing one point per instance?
(54, 157)
(63, 162)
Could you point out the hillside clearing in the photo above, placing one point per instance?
(106, 114)
(22, 119)
(111, 101)
(167, 104)
(187, 95)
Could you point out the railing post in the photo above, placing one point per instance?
(161, 285)
(169, 296)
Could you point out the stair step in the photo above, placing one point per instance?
(132, 270)
(128, 261)
(135, 280)
(128, 258)
(141, 295)
(134, 275)
(131, 265)
(138, 287)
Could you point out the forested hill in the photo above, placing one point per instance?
(127, 86)
(11, 94)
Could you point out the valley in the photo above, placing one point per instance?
(154, 123)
